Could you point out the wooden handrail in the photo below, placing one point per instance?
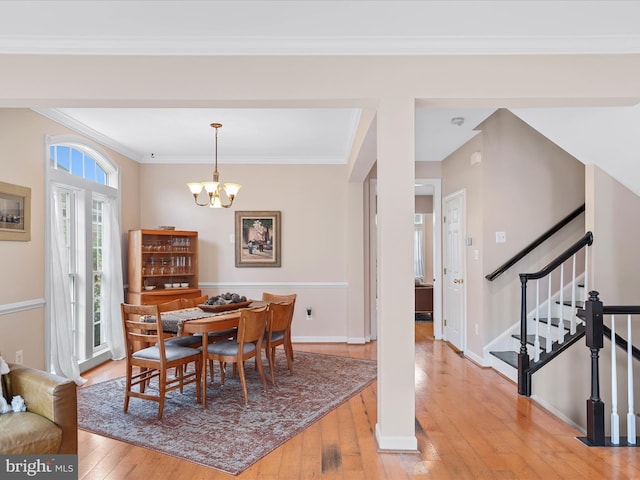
(524, 365)
(533, 245)
(560, 259)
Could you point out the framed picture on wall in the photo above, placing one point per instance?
(258, 239)
(15, 212)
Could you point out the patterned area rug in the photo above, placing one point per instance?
(229, 435)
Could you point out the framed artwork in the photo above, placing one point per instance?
(258, 239)
(15, 212)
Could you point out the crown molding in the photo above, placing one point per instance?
(243, 160)
(65, 120)
(308, 45)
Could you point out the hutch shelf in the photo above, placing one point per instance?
(163, 266)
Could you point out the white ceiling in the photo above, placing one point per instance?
(250, 136)
(309, 27)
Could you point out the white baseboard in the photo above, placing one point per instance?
(266, 285)
(319, 339)
(391, 443)
(557, 413)
(476, 359)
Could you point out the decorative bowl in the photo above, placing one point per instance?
(176, 285)
(149, 287)
(168, 285)
(184, 285)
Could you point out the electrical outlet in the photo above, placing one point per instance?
(19, 357)
(308, 313)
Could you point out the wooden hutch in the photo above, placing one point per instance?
(163, 266)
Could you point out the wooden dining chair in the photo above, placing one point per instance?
(147, 351)
(272, 297)
(278, 323)
(193, 302)
(248, 344)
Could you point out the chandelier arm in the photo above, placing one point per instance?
(195, 197)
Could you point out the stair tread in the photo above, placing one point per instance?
(532, 338)
(555, 321)
(509, 357)
(567, 303)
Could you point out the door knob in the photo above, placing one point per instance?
(457, 280)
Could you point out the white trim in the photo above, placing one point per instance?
(436, 184)
(476, 359)
(8, 308)
(550, 408)
(409, 443)
(299, 285)
(82, 129)
(315, 45)
(320, 339)
(244, 160)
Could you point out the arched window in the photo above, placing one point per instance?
(84, 162)
(84, 281)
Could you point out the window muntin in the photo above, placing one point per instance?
(80, 163)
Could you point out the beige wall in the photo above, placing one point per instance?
(564, 386)
(613, 217)
(22, 286)
(314, 204)
(523, 186)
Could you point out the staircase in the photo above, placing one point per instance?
(553, 338)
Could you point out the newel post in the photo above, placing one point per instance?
(524, 385)
(594, 338)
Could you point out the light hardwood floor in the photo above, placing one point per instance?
(470, 424)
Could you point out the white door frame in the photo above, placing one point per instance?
(436, 183)
(373, 260)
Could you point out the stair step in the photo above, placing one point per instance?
(556, 321)
(531, 340)
(510, 358)
(567, 303)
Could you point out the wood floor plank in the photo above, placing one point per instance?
(470, 424)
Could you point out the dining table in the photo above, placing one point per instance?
(198, 321)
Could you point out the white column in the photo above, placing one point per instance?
(395, 429)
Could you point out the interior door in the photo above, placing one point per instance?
(454, 269)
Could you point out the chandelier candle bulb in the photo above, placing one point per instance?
(212, 189)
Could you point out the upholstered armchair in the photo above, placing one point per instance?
(50, 424)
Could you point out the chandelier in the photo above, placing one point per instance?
(213, 188)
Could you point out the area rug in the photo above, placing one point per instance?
(319, 384)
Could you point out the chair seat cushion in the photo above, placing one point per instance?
(275, 336)
(29, 434)
(230, 347)
(172, 352)
(184, 341)
(228, 333)
(195, 340)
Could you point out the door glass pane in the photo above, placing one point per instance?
(97, 256)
